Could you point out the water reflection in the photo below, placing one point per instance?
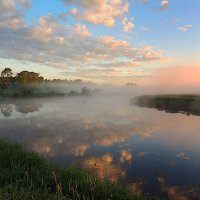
(27, 106)
(21, 106)
(138, 147)
(104, 166)
(6, 109)
(178, 193)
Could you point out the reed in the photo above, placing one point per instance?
(27, 175)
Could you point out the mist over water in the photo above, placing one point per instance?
(151, 151)
(111, 87)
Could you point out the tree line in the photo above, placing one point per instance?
(23, 78)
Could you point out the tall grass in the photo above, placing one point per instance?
(27, 175)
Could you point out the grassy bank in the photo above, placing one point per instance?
(31, 95)
(27, 175)
(38, 93)
(187, 104)
(19, 93)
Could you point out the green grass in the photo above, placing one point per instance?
(27, 175)
(173, 103)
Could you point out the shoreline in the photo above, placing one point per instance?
(188, 104)
(26, 174)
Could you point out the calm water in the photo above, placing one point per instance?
(149, 150)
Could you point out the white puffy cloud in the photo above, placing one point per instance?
(81, 30)
(45, 29)
(9, 6)
(56, 45)
(13, 23)
(99, 11)
(59, 45)
(11, 12)
(127, 25)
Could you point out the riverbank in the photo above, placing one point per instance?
(27, 175)
(173, 103)
(36, 93)
(30, 94)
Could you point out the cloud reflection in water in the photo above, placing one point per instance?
(115, 140)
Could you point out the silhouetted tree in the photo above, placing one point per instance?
(85, 91)
(6, 76)
(26, 78)
(7, 72)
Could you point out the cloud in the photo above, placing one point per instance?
(81, 30)
(11, 12)
(9, 6)
(52, 43)
(12, 22)
(164, 4)
(112, 74)
(56, 45)
(45, 29)
(127, 25)
(99, 11)
(185, 28)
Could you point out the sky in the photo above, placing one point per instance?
(103, 41)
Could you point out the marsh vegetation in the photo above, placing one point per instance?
(182, 103)
(27, 175)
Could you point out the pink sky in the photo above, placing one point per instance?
(177, 76)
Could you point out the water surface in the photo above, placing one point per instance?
(149, 150)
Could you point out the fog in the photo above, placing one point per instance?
(102, 133)
(171, 80)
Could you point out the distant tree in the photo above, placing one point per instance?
(26, 78)
(131, 84)
(6, 77)
(85, 91)
(7, 72)
(78, 81)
